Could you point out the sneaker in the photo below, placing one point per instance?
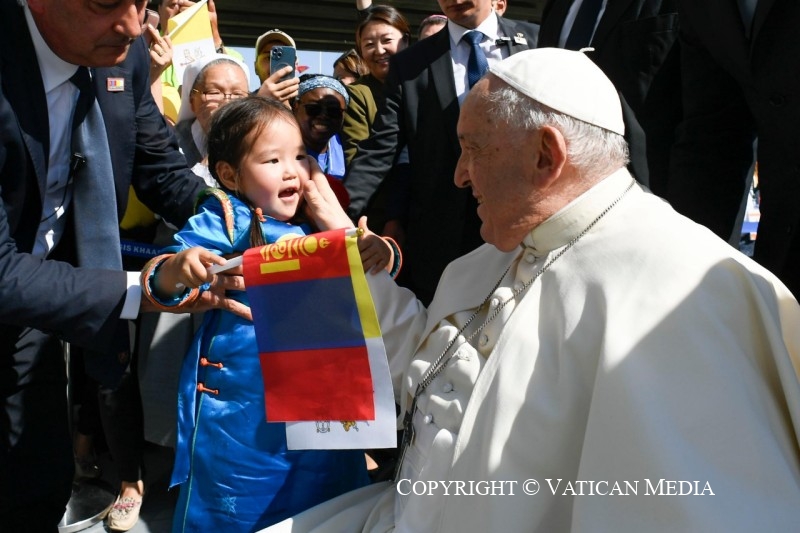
(124, 514)
(87, 468)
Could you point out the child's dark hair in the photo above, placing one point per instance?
(233, 129)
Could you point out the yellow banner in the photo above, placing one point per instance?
(190, 33)
(191, 24)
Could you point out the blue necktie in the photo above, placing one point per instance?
(94, 199)
(477, 65)
(94, 211)
(583, 28)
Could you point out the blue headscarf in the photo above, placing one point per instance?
(321, 81)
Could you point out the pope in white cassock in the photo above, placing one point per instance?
(639, 369)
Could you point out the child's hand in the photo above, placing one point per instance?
(376, 254)
(188, 268)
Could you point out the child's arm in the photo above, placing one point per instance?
(188, 268)
(378, 253)
(171, 280)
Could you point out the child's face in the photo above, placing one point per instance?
(273, 173)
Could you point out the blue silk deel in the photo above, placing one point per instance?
(233, 468)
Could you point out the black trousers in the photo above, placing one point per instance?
(36, 465)
(123, 424)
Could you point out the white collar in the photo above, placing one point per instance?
(572, 219)
(53, 69)
(489, 27)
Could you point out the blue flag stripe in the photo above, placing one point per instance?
(306, 315)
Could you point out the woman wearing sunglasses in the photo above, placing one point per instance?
(319, 109)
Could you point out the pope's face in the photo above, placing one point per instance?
(498, 167)
(466, 13)
(94, 33)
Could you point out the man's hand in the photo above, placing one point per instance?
(160, 52)
(215, 298)
(283, 91)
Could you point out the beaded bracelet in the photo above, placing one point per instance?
(398, 257)
(147, 280)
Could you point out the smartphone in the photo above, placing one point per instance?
(152, 18)
(282, 56)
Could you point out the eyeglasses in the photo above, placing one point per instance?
(218, 96)
(330, 110)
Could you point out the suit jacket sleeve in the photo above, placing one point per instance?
(714, 149)
(80, 305)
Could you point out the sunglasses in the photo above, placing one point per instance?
(329, 110)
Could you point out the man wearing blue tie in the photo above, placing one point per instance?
(55, 194)
(424, 89)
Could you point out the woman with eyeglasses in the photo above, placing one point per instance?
(208, 84)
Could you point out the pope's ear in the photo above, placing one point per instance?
(552, 152)
(226, 175)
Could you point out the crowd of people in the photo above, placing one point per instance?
(564, 198)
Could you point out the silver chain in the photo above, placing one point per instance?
(436, 368)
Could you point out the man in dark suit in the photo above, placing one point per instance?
(741, 78)
(44, 301)
(425, 86)
(635, 44)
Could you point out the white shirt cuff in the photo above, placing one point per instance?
(133, 298)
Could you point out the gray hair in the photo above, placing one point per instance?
(201, 76)
(592, 150)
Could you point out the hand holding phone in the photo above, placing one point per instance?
(280, 57)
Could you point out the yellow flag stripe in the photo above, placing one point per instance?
(280, 266)
(366, 309)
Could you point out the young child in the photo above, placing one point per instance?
(233, 467)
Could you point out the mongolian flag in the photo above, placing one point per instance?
(314, 320)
